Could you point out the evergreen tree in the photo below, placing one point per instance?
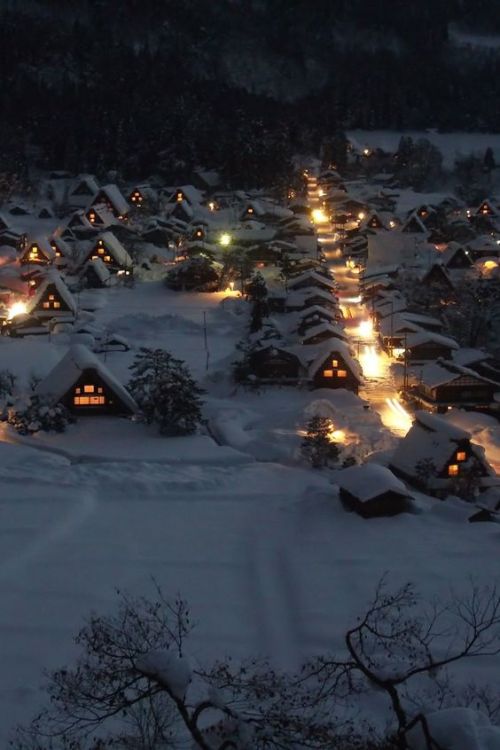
(165, 392)
(317, 447)
(489, 160)
(256, 288)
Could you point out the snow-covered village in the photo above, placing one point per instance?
(250, 437)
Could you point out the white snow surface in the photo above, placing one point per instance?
(169, 668)
(234, 521)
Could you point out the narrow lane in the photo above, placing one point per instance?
(380, 389)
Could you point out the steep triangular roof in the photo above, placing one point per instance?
(113, 194)
(67, 372)
(414, 224)
(328, 350)
(55, 279)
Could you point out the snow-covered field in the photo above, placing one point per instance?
(261, 548)
(451, 145)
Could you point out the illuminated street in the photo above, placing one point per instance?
(380, 389)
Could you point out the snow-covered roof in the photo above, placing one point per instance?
(313, 310)
(65, 374)
(311, 276)
(429, 337)
(327, 350)
(335, 331)
(192, 195)
(466, 356)
(116, 249)
(300, 296)
(44, 245)
(430, 437)
(100, 269)
(86, 181)
(53, 279)
(370, 480)
(114, 195)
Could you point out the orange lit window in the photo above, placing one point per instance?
(89, 400)
(250, 210)
(179, 197)
(107, 258)
(101, 250)
(453, 470)
(328, 373)
(56, 305)
(461, 456)
(46, 305)
(51, 297)
(88, 389)
(335, 363)
(341, 373)
(78, 390)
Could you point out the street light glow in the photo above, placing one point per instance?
(225, 239)
(18, 308)
(319, 216)
(365, 328)
(399, 418)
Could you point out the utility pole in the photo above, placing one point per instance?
(405, 367)
(205, 339)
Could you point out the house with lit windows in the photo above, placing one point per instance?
(111, 197)
(444, 384)
(434, 454)
(52, 299)
(185, 194)
(38, 252)
(142, 196)
(486, 209)
(334, 366)
(85, 386)
(111, 251)
(100, 216)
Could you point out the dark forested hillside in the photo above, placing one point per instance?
(238, 84)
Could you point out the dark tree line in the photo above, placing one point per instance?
(151, 85)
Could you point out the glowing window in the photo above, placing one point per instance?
(328, 373)
(46, 305)
(51, 297)
(89, 400)
(88, 389)
(341, 373)
(179, 197)
(250, 210)
(78, 390)
(335, 363)
(453, 470)
(107, 258)
(56, 305)
(461, 456)
(101, 250)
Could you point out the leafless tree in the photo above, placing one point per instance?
(120, 695)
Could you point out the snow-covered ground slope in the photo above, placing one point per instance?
(267, 557)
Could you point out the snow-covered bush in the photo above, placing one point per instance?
(35, 414)
(165, 392)
(195, 274)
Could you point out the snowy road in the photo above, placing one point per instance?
(380, 389)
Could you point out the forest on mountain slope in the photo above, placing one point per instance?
(163, 85)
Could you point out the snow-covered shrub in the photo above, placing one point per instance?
(318, 448)
(7, 382)
(35, 414)
(195, 274)
(165, 392)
